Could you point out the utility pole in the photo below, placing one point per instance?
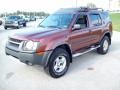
(109, 4)
(119, 3)
(76, 3)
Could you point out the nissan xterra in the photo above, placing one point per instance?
(61, 36)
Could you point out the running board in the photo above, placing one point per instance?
(91, 49)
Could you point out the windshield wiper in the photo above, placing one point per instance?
(41, 26)
(54, 27)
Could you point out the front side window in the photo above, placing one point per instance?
(57, 21)
(95, 19)
(82, 21)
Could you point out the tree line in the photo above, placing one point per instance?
(40, 14)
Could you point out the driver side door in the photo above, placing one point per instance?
(80, 37)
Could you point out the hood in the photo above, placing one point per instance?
(36, 33)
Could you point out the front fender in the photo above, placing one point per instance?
(55, 44)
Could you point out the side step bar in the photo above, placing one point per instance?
(91, 49)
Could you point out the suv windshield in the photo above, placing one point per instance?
(13, 17)
(57, 21)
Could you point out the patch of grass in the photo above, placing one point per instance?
(115, 21)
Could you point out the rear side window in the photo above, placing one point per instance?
(95, 19)
(105, 16)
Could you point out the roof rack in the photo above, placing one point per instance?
(86, 9)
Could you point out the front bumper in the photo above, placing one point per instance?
(11, 25)
(33, 57)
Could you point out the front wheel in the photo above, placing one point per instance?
(18, 27)
(104, 46)
(59, 63)
(5, 27)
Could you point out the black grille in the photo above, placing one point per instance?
(14, 43)
(15, 40)
(9, 22)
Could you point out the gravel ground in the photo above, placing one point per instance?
(90, 71)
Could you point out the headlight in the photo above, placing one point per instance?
(16, 22)
(30, 46)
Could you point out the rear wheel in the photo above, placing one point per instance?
(59, 63)
(104, 46)
(24, 24)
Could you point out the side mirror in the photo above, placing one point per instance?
(76, 27)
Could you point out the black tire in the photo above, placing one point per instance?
(24, 24)
(5, 28)
(101, 50)
(18, 27)
(1, 22)
(58, 52)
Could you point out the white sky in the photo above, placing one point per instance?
(46, 5)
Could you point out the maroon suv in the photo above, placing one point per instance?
(61, 36)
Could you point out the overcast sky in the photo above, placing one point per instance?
(46, 5)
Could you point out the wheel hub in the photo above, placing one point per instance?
(105, 45)
(60, 63)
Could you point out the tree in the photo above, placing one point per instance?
(91, 5)
(18, 12)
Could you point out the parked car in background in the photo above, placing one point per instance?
(1, 22)
(14, 22)
(37, 17)
(32, 18)
(61, 36)
(42, 17)
(27, 18)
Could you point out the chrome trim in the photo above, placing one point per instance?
(13, 42)
(91, 49)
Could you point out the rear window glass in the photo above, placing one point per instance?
(95, 19)
(105, 16)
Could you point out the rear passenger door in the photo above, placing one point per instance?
(95, 27)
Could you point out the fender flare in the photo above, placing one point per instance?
(48, 53)
(104, 35)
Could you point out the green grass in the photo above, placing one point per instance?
(116, 21)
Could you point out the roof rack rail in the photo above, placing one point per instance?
(86, 9)
(96, 9)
